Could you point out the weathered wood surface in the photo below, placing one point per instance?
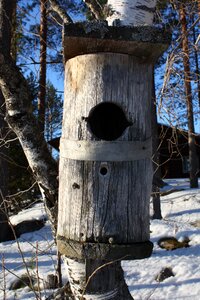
(106, 151)
(145, 42)
(77, 250)
(110, 208)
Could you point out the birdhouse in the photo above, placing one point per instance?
(105, 167)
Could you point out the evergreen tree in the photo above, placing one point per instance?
(175, 103)
(43, 55)
(193, 159)
(53, 116)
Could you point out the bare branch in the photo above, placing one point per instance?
(60, 11)
(23, 123)
(95, 8)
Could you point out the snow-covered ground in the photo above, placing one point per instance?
(180, 211)
(36, 252)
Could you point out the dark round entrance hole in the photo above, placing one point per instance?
(103, 171)
(107, 121)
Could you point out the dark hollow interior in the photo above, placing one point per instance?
(103, 171)
(107, 121)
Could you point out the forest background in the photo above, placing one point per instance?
(36, 47)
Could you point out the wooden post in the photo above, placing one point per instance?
(105, 153)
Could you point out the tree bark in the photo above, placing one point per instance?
(196, 57)
(196, 53)
(198, 3)
(6, 11)
(155, 158)
(97, 280)
(193, 159)
(42, 79)
(61, 13)
(5, 230)
(130, 12)
(13, 49)
(95, 8)
(20, 118)
(23, 123)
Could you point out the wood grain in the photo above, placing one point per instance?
(106, 151)
(95, 207)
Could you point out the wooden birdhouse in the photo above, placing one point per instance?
(105, 149)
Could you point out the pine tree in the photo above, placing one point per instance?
(193, 159)
(53, 115)
(43, 55)
(155, 158)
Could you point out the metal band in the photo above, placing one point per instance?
(106, 150)
(85, 250)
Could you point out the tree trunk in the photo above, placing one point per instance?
(95, 8)
(42, 80)
(196, 57)
(198, 3)
(6, 11)
(5, 230)
(155, 158)
(131, 12)
(193, 158)
(20, 118)
(13, 50)
(97, 280)
(196, 53)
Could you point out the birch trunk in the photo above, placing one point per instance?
(97, 280)
(95, 8)
(131, 12)
(20, 118)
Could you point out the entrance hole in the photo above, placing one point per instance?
(107, 121)
(103, 171)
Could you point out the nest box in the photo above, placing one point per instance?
(105, 167)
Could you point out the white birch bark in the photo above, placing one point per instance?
(131, 12)
(77, 278)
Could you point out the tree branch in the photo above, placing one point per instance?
(20, 118)
(60, 11)
(95, 8)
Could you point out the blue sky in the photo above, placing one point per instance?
(58, 79)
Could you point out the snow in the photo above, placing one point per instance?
(181, 218)
(180, 211)
(37, 212)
